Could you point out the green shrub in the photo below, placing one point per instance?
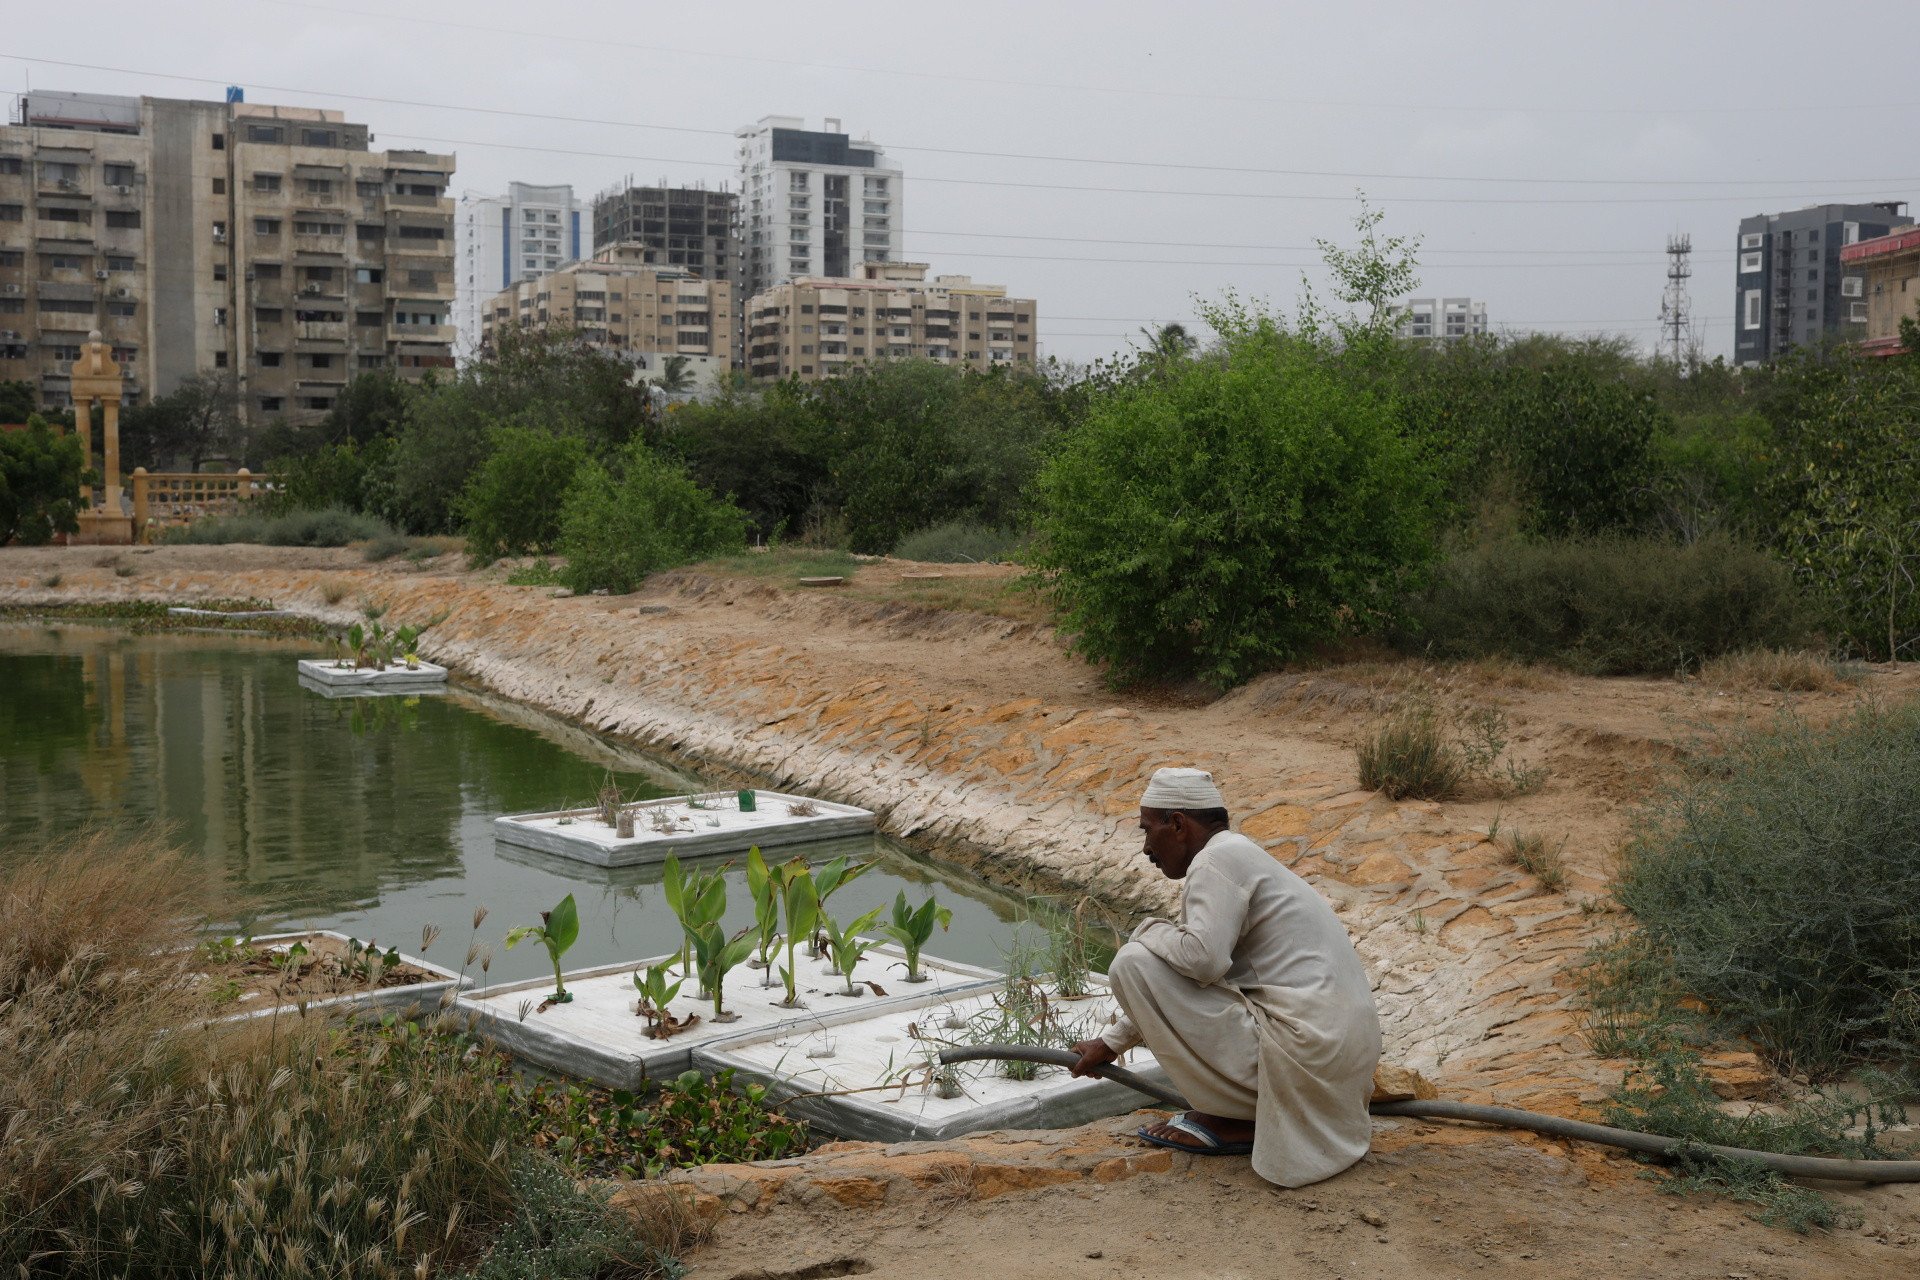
(957, 542)
(563, 1230)
(511, 506)
(1606, 606)
(325, 527)
(1229, 513)
(332, 475)
(1410, 756)
(1781, 885)
(540, 573)
(617, 529)
(40, 476)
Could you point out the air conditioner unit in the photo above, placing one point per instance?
(101, 275)
(123, 293)
(9, 288)
(10, 335)
(68, 184)
(312, 290)
(125, 189)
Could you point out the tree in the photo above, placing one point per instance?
(196, 422)
(1376, 274)
(675, 377)
(512, 505)
(620, 525)
(16, 401)
(40, 477)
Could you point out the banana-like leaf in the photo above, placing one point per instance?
(563, 926)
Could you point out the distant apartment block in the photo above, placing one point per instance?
(1889, 270)
(266, 242)
(1443, 318)
(621, 304)
(524, 233)
(690, 229)
(819, 326)
(1791, 287)
(813, 202)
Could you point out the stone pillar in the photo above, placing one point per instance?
(139, 479)
(110, 446)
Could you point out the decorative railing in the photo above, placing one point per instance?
(163, 499)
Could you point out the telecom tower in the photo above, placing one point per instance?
(1676, 312)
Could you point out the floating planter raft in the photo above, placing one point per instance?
(345, 677)
(837, 1072)
(689, 826)
(600, 1036)
(424, 994)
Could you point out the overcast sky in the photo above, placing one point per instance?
(1543, 150)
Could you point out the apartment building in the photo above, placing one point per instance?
(1443, 319)
(526, 232)
(620, 302)
(1791, 288)
(813, 202)
(818, 326)
(691, 229)
(267, 242)
(1889, 271)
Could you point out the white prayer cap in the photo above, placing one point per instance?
(1182, 789)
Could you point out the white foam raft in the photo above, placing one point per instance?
(599, 1036)
(421, 997)
(866, 1074)
(333, 678)
(676, 824)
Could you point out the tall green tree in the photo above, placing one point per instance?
(41, 472)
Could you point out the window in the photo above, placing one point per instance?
(367, 190)
(1812, 315)
(267, 315)
(65, 215)
(1749, 263)
(1857, 313)
(266, 182)
(318, 138)
(219, 142)
(320, 186)
(123, 218)
(219, 271)
(219, 359)
(1813, 295)
(320, 360)
(318, 402)
(266, 226)
(266, 133)
(220, 317)
(1851, 286)
(368, 275)
(1850, 232)
(1813, 255)
(1813, 236)
(118, 262)
(63, 262)
(266, 270)
(271, 404)
(66, 306)
(270, 359)
(12, 258)
(1751, 240)
(121, 309)
(420, 279)
(10, 165)
(114, 175)
(372, 362)
(423, 233)
(10, 212)
(368, 319)
(313, 227)
(219, 186)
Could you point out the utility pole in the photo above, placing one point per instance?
(1675, 306)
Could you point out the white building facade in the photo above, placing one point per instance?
(501, 240)
(1443, 318)
(813, 202)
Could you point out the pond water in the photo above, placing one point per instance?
(368, 815)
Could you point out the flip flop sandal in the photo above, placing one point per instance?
(1211, 1143)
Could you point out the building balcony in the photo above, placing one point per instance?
(59, 233)
(321, 246)
(441, 250)
(329, 331)
(331, 377)
(424, 333)
(432, 204)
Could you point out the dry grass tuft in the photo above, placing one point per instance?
(1532, 854)
(1775, 670)
(333, 591)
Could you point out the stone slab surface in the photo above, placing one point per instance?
(599, 1035)
(836, 1073)
(674, 825)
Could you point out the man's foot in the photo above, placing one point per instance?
(1202, 1134)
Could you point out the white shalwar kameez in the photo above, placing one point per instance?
(1258, 1008)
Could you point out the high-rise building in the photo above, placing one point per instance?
(1791, 288)
(266, 243)
(813, 202)
(691, 229)
(818, 326)
(523, 234)
(1443, 319)
(620, 303)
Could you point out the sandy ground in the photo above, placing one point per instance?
(868, 665)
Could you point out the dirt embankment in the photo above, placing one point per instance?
(979, 738)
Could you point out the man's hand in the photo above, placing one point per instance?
(1094, 1053)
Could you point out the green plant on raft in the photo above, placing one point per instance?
(764, 883)
(800, 904)
(558, 929)
(697, 899)
(847, 945)
(656, 993)
(715, 954)
(912, 928)
(830, 879)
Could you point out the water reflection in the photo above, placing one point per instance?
(373, 815)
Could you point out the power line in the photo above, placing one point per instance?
(1286, 248)
(551, 118)
(1130, 90)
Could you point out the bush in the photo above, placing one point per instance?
(1781, 886)
(617, 529)
(1775, 670)
(1410, 756)
(957, 542)
(1606, 606)
(325, 527)
(40, 475)
(511, 506)
(1229, 514)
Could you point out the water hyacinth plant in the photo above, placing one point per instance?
(558, 929)
(656, 993)
(847, 945)
(912, 928)
(800, 904)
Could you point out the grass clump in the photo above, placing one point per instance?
(786, 564)
(540, 573)
(1781, 883)
(1409, 756)
(1773, 670)
(1544, 861)
(1606, 606)
(957, 542)
(316, 527)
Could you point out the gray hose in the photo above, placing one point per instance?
(1821, 1167)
